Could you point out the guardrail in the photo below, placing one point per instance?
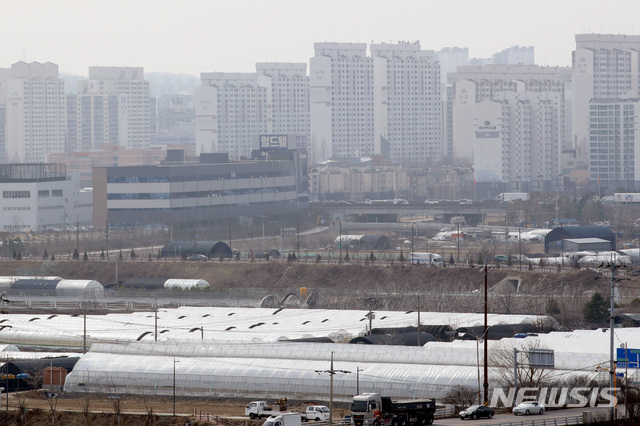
(550, 421)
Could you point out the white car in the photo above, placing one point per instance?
(529, 407)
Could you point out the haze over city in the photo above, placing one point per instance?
(200, 36)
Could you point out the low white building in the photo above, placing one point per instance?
(41, 196)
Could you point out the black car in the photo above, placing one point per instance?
(476, 411)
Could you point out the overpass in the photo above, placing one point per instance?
(473, 214)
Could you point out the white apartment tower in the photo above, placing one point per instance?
(474, 84)
(342, 102)
(517, 139)
(35, 112)
(112, 106)
(605, 67)
(515, 55)
(450, 58)
(232, 109)
(385, 104)
(290, 99)
(408, 93)
(614, 144)
(509, 123)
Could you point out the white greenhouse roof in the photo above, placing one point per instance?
(79, 288)
(185, 284)
(240, 354)
(254, 369)
(233, 324)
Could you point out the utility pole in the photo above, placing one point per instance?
(358, 370)
(298, 235)
(107, 232)
(611, 335)
(486, 339)
(419, 321)
(156, 321)
(371, 316)
(84, 335)
(411, 254)
(331, 372)
(519, 250)
(78, 237)
(340, 242)
(458, 238)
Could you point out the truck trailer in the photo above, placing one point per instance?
(373, 409)
(512, 196)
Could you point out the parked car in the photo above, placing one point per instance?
(528, 407)
(476, 411)
(197, 258)
(500, 258)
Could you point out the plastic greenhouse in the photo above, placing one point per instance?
(184, 284)
(262, 370)
(231, 352)
(80, 288)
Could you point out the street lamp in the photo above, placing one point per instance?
(174, 386)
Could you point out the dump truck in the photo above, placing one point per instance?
(373, 409)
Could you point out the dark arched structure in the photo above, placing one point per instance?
(401, 339)
(375, 242)
(553, 240)
(211, 249)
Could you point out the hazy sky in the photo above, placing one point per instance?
(213, 35)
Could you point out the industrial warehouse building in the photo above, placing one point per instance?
(580, 236)
(212, 189)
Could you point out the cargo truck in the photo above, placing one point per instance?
(373, 409)
(259, 409)
(512, 196)
(317, 413)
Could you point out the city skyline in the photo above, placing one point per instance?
(210, 37)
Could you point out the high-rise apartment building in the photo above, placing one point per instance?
(450, 58)
(385, 104)
(605, 67)
(34, 112)
(409, 101)
(232, 109)
(515, 55)
(614, 145)
(112, 106)
(474, 84)
(508, 121)
(290, 99)
(517, 142)
(342, 101)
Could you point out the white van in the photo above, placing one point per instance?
(426, 259)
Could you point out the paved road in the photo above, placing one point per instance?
(548, 416)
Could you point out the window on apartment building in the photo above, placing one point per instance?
(16, 194)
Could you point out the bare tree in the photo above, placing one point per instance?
(461, 396)
(52, 399)
(502, 357)
(35, 377)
